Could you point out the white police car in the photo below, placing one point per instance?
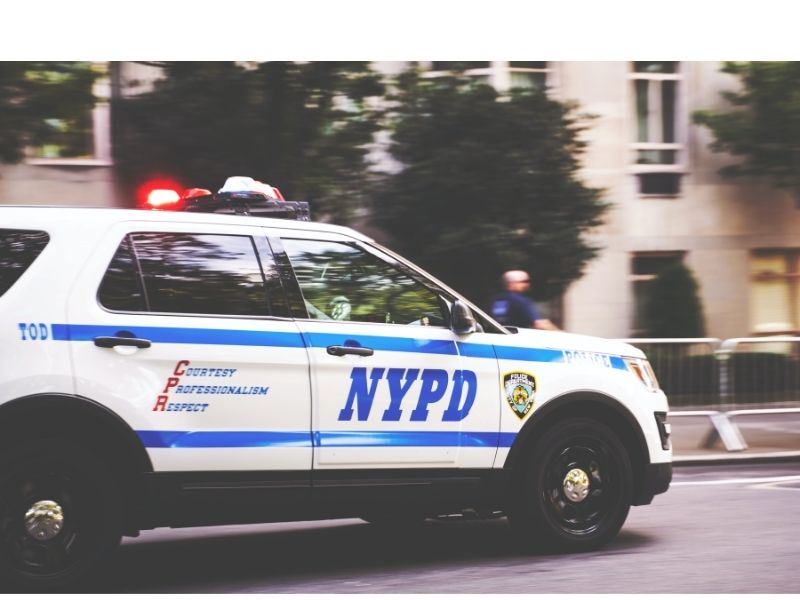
(185, 368)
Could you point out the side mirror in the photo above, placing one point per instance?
(462, 320)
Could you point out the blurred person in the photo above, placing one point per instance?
(513, 307)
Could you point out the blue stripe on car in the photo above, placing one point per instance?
(224, 439)
(240, 337)
(181, 335)
(324, 439)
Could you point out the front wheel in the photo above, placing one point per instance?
(60, 515)
(573, 492)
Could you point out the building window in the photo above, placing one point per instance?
(454, 65)
(658, 152)
(479, 71)
(501, 74)
(659, 184)
(775, 291)
(66, 138)
(645, 267)
(78, 130)
(528, 74)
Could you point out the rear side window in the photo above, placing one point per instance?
(18, 249)
(185, 273)
(122, 285)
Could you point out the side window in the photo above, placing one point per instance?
(343, 282)
(192, 274)
(18, 249)
(121, 288)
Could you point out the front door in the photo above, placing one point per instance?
(389, 387)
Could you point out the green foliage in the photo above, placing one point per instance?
(488, 183)
(303, 127)
(672, 307)
(764, 125)
(31, 93)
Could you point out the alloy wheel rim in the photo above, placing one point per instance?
(580, 486)
(44, 528)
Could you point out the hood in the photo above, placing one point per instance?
(538, 338)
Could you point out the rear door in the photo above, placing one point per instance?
(184, 332)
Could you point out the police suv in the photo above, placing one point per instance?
(176, 368)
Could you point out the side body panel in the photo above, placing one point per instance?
(31, 362)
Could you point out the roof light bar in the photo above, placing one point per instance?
(239, 195)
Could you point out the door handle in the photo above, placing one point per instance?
(113, 341)
(357, 350)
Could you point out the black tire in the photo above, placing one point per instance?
(540, 511)
(81, 485)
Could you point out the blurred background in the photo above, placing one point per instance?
(647, 199)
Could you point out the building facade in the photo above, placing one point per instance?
(740, 238)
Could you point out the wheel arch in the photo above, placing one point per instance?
(594, 405)
(76, 418)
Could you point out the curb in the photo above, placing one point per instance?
(734, 458)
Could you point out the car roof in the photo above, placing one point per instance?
(100, 215)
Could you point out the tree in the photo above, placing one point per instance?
(672, 307)
(764, 126)
(44, 102)
(303, 127)
(488, 183)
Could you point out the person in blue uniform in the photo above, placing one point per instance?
(513, 307)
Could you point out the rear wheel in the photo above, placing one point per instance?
(573, 492)
(60, 515)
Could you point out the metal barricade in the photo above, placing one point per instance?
(759, 373)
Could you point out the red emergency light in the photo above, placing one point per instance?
(160, 199)
(159, 194)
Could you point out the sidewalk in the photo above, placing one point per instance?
(768, 438)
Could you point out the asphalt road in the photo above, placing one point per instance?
(723, 529)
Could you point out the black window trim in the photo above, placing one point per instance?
(265, 252)
(142, 287)
(291, 286)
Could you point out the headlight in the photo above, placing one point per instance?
(644, 372)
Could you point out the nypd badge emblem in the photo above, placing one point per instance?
(520, 392)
